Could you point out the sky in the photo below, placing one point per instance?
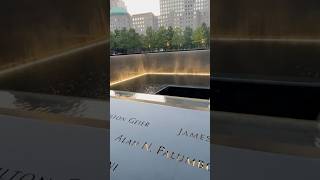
(142, 6)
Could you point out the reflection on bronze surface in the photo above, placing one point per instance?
(55, 109)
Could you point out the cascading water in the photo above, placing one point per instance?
(149, 72)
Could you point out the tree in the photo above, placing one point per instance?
(200, 36)
(169, 37)
(177, 39)
(206, 34)
(134, 42)
(187, 38)
(150, 39)
(123, 41)
(161, 38)
(129, 41)
(114, 41)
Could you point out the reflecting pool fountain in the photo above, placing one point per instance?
(149, 73)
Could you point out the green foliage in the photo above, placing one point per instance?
(177, 39)
(134, 41)
(206, 34)
(187, 38)
(150, 39)
(129, 41)
(200, 36)
(169, 37)
(161, 39)
(114, 40)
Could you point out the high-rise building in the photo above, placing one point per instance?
(184, 13)
(117, 3)
(142, 21)
(201, 13)
(119, 19)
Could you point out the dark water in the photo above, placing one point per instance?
(278, 60)
(150, 84)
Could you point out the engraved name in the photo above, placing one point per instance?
(113, 166)
(124, 140)
(164, 152)
(194, 135)
(133, 121)
(182, 158)
(8, 174)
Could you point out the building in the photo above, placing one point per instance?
(119, 19)
(184, 13)
(141, 22)
(117, 3)
(201, 13)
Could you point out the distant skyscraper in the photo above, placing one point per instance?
(201, 13)
(184, 13)
(142, 21)
(117, 3)
(119, 19)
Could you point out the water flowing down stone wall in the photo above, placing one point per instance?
(81, 72)
(55, 47)
(285, 19)
(126, 66)
(31, 30)
(270, 39)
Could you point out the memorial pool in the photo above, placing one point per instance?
(152, 83)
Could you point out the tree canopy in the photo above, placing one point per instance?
(129, 41)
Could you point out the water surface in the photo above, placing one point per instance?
(150, 84)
